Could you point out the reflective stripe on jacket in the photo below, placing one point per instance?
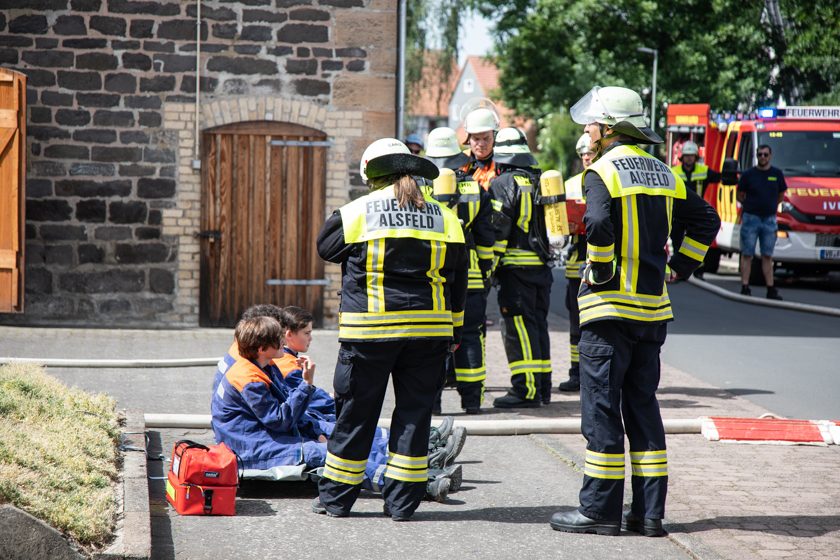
(630, 200)
(404, 270)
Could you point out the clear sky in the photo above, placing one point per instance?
(475, 38)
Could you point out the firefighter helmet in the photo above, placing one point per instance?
(617, 107)
(389, 156)
(480, 115)
(689, 148)
(511, 148)
(444, 150)
(584, 145)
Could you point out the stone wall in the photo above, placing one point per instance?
(113, 198)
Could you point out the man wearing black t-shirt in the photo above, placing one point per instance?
(760, 190)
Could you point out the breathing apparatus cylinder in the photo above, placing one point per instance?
(554, 196)
(444, 186)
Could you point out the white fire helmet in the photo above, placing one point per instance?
(442, 142)
(389, 156)
(584, 144)
(617, 107)
(689, 148)
(511, 148)
(480, 115)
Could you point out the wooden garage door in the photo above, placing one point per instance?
(263, 188)
(12, 188)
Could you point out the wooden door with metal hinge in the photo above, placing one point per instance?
(263, 191)
(12, 188)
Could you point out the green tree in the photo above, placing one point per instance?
(731, 54)
(432, 28)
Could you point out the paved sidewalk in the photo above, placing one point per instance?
(726, 501)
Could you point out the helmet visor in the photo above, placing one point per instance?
(589, 108)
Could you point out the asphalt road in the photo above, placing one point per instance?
(785, 361)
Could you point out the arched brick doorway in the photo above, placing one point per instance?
(262, 205)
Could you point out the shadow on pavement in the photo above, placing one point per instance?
(163, 548)
(711, 392)
(804, 526)
(517, 515)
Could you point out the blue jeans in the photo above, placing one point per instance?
(758, 228)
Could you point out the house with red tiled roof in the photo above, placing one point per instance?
(479, 77)
(428, 101)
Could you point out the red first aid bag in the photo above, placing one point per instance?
(202, 480)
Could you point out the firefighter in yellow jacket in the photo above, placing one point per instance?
(404, 281)
(575, 257)
(696, 176)
(523, 273)
(632, 200)
(474, 208)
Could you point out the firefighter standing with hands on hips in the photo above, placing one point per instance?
(632, 200)
(575, 257)
(474, 207)
(404, 281)
(523, 273)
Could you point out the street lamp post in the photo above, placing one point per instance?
(655, 54)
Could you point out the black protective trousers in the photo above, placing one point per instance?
(361, 380)
(572, 289)
(470, 368)
(524, 298)
(619, 375)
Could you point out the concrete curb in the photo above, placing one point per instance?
(133, 539)
(806, 307)
(25, 537)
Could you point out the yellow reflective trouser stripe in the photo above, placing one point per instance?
(693, 249)
(344, 470)
(596, 253)
(437, 260)
(574, 353)
(629, 243)
(528, 358)
(604, 465)
(375, 275)
(407, 468)
(649, 463)
(469, 375)
(484, 252)
(458, 319)
(524, 220)
(525, 366)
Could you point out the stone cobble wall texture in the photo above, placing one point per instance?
(112, 197)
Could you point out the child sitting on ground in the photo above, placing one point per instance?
(297, 334)
(267, 422)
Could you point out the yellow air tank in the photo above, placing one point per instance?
(445, 185)
(554, 194)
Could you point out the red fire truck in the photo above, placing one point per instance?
(806, 146)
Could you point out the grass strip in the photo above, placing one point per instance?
(58, 453)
